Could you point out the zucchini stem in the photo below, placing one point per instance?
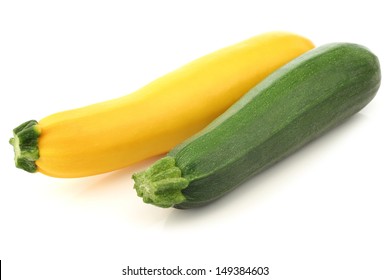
(161, 183)
(25, 143)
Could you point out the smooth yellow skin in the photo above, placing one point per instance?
(150, 121)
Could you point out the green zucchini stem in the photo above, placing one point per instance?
(161, 183)
(25, 143)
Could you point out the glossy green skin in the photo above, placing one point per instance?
(291, 107)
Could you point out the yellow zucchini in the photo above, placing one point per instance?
(150, 121)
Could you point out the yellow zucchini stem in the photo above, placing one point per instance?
(25, 143)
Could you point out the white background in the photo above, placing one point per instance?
(323, 213)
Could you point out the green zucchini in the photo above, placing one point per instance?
(294, 105)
